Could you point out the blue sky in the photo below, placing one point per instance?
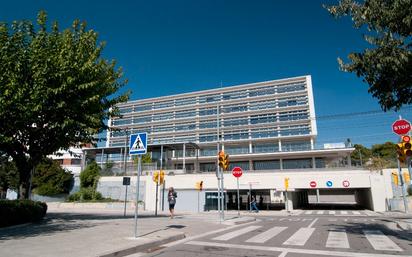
(169, 47)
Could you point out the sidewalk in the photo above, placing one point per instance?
(96, 232)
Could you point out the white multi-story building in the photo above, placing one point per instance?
(267, 128)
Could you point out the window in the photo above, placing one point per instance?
(207, 111)
(234, 108)
(262, 91)
(161, 105)
(122, 122)
(264, 133)
(207, 138)
(264, 118)
(207, 167)
(234, 95)
(291, 88)
(185, 114)
(295, 146)
(236, 135)
(143, 107)
(261, 105)
(293, 101)
(243, 165)
(184, 127)
(208, 151)
(266, 148)
(209, 98)
(266, 165)
(75, 161)
(293, 115)
(208, 124)
(185, 101)
(163, 116)
(297, 163)
(234, 122)
(142, 119)
(294, 130)
(126, 110)
(237, 149)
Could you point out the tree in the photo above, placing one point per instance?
(55, 91)
(387, 66)
(9, 177)
(360, 155)
(51, 179)
(90, 175)
(387, 152)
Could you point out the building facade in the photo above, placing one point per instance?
(259, 125)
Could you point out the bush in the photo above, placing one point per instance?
(85, 194)
(13, 212)
(90, 176)
(409, 189)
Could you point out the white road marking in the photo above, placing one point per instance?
(265, 236)
(236, 233)
(332, 212)
(313, 222)
(300, 237)
(308, 212)
(380, 242)
(283, 254)
(343, 212)
(356, 212)
(337, 239)
(300, 251)
(319, 212)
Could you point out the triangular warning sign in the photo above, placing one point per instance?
(138, 144)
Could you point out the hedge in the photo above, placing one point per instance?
(14, 212)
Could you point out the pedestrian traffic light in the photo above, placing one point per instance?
(404, 148)
(406, 177)
(395, 178)
(199, 185)
(223, 160)
(159, 177)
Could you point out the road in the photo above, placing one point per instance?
(307, 235)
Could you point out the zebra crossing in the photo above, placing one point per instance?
(339, 213)
(336, 238)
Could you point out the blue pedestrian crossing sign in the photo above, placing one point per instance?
(138, 144)
(329, 183)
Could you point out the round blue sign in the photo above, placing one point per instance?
(329, 183)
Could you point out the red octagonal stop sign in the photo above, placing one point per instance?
(401, 127)
(237, 172)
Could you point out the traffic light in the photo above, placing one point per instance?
(199, 185)
(404, 148)
(223, 160)
(406, 177)
(395, 178)
(158, 177)
(161, 177)
(286, 183)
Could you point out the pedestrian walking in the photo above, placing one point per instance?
(253, 204)
(171, 198)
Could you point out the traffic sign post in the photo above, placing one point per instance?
(126, 182)
(138, 146)
(237, 173)
(401, 127)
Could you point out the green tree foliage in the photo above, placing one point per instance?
(386, 151)
(90, 176)
(107, 169)
(387, 65)
(51, 179)
(360, 155)
(55, 90)
(9, 177)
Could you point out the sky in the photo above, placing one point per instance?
(170, 47)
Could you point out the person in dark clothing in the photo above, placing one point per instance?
(253, 206)
(171, 198)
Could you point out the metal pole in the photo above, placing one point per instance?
(198, 200)
(217, 165)
(222, 205)
(238, 203)
(157, 190)
(125, 201)
(163, 195)
(405, 202)
(286, 201)
(139, 169)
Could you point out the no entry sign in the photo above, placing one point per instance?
(401, 127)
(237, 172)
(312, 184)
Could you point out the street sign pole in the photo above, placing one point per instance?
(139, 170)
(238, 202)
(125, 201)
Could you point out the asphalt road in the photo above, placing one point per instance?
(306, 235)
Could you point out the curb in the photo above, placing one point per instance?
(142, 247)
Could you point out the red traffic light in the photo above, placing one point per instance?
(406, 139)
